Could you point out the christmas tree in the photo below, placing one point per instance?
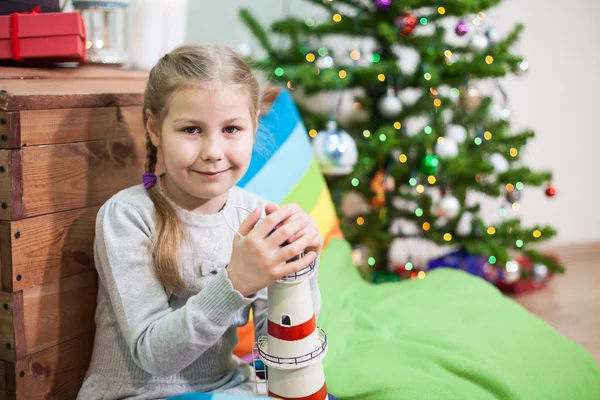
(424, 161)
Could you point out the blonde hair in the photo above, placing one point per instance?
(186, 66)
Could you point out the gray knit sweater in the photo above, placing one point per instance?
(151, 343)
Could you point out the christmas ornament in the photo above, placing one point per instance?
(523, 66)
(429, 164)
(539, 272)
(493, 35)
(380, 184)
(447, 207)
(383, 4)
(244, 49)
(415, 125)
(465, 225)
(489, 272)
(513, 196)
(479, 43)
(551, 190)
(499, 162)
(457, 132)
(496, 112)
(462, 28)
(324, 62)
(511, 272)
(389, 106)
(446, 148)
(335, 150)
(470, 99)
(405, 23)
(354, 204)
(360, 255)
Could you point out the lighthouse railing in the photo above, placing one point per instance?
(262, 342)
(303, 273)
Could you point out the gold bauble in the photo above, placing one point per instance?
(470, 99)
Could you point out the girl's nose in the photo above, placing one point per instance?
(212, 149)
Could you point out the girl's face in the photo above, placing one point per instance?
(206, 142)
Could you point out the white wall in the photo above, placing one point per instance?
(558, 98)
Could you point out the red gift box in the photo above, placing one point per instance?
(42, 38)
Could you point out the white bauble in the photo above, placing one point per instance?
(511, 273)
(540, 273)
(497, 112)
(447, 207)
(465, 225)
(499, 162)
(389, 106)
(457, 132)
(478, 43)
(244, 49)
(335, 150)
(493, 35)
(416, 125)
(447, 148)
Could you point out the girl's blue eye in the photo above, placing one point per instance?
(191, 130)
(231, 129)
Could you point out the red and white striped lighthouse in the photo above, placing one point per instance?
(294, 346)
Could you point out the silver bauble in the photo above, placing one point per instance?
(389, 106)
(539, 272)
(447, 207)
(335, 150)
(511, 272)
(513, 196)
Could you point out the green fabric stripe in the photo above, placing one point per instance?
(308, 190)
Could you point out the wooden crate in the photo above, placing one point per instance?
(69, 139)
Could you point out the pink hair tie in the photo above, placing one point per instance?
(149, 180)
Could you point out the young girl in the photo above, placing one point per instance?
(175, 281)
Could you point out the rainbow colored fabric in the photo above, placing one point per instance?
(289, 173)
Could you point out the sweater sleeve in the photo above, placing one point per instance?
(162, 341)
(259, 306)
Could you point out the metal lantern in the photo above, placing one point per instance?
(106, 29)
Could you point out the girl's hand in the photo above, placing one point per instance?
(258, 260)
(310, 232)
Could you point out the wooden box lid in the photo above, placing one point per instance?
(84, 86)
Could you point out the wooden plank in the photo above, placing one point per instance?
(55, 373)
(45, 94)
(59, 311)
(10, 385)
(10, 131)
(3, 381)
(5, 256)
(83, 71)
(10, 185)
(51, 247)
(77, 175)
(80, 124)
(12, 332)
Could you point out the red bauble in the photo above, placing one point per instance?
(551, 190)
(405, 23)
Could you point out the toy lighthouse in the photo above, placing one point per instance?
(294, 346)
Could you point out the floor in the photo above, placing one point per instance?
(571, 304)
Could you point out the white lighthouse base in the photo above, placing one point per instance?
(303, 383)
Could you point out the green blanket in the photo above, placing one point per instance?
(448, 336)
